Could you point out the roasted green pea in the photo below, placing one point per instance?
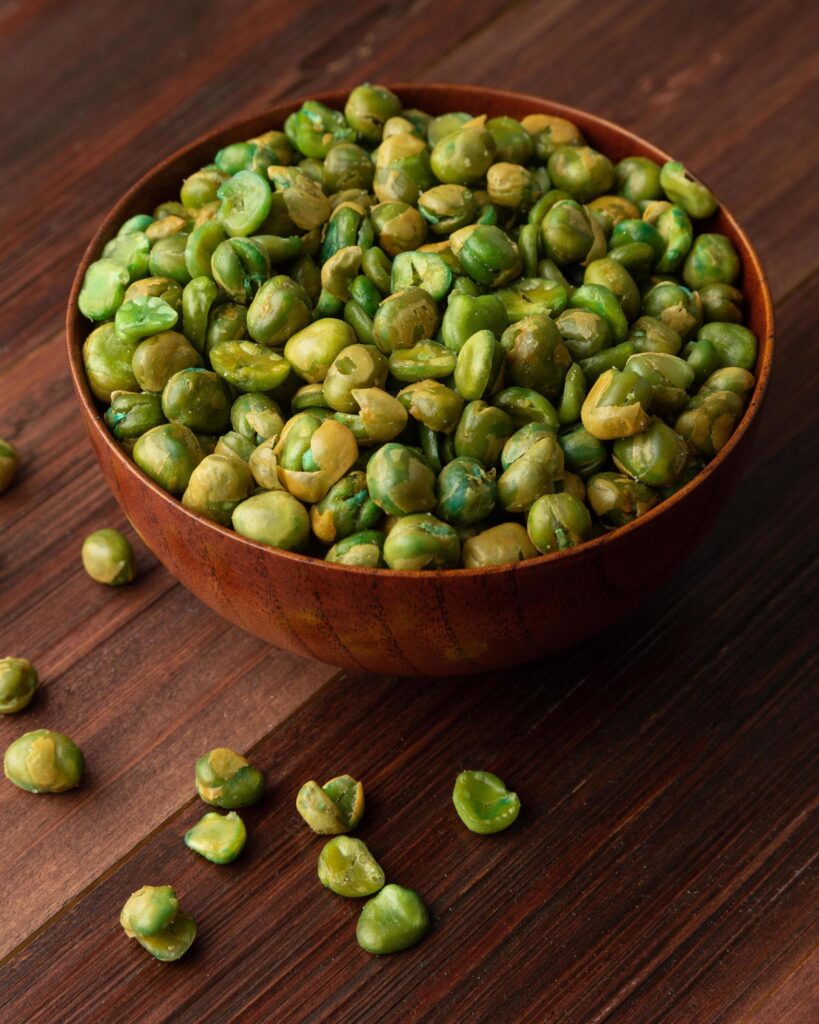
(582, 171)
(173, 941)
(274, 518)
(479, 366)
(9, 462)
(197, 399)
(43, 762)
(513, 186)
(202, 187)
(156, 359)
(648, 334)
(312, 350)
(584, 333)
(734, 344)
(730, 378)
(568, 233)
(467, 314)
(421, 361)
(483, 802)
(525, 405)
(638, 259)
(18, 681)
(532, 296)
(256, 417)
(219, 838)
(168, 454)
(404, 319)
(550, 132)
(400, 481)
(447, 207)
(422, 541)
(107, 359)
(422, 270)
(314, 129)
(228, 780)
(558, 521)
(614, 358)
(168, 258)
(225, 323)
(656, 456)
(334, 808)
(608, 211)
(708, 421)
(702, 357)
(356, 366)
(362, 549)
(574, 393)
(583, 453)
(531, 473)
(464, 155)
(130, 251)
(217, 485)
(686, 191)
(614, 276)
(676, 231)
(392, 920)
(240, 266)
(639, 232)
(398, 228)
(368, 107)
(348, 166)
(402, 169)
(466, 492)
(536, 355)
(616, 405)
(140, 317)
(248, 366)
(669, 376)
(482, 432)
(233, 444)
(139, 222)
(433, 404)
(347, 868)
(616, 499)
(504, 544)
(380, 417)
(200, 247)
(156, 288)
(487, 254)
(306, 204)
(346, 509)
(638, 178)
(676, 306)
(721, 303)
(197, 301)
(712, 260)
(149, 910)
(108, 557)
(103, 289)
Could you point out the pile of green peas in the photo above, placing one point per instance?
(394, 340)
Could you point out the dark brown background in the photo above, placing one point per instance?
(663, 866)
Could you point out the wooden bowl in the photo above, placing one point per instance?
(419, 623)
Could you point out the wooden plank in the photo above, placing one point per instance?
(663, 862)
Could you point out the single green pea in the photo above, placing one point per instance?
(107, 360)
(599, 299)
(482, 432)
(149, 910)
(402, 169)
(638, 179)
(140, 317)
(637, 257)
(616, 405)
(228, 780)
(483, 802)
(226, 322)
(248, 366)
(702, 357)
(201, 187)
(708, 421)
(233, 444)
(656, 456)
(582, 171)
(614, 358)
(43, 762)
(422, 541)
(583, 453)
(200, 247)
(730, 378)
(398, 228)
(216, 486)
(364, 292)
(712, 260)
(156, 288)
(536, 355)
(346, 166)
(550, 132)
(219, 838)
(108, 557)
(312, 350)
(360, 321)
(512, 142)
(686, 191)
(532, 296)
(103, 289)
(314, 129)
(734, 344)
(608, 211)
(18, 681)
(466, 492)
(394, 919)
(168, 258)
(438, 128)
(421, 270)
(139, 222)
(356, 366)
(364, 549)
(275, 518)
(404, 319)
(368, 107)
(616, 278)
(305, 202)
(170, 224)
(131, 413)
(467, 314)
(400, 481)
(198, 399)
(338, 272)
(479, 365)
(464, 155)
(426, 359)
(648, 334)
(630, 232)
(347, 867)
(487, 254)
(262, 462)
(447, 207)
(574, 394)
(9, 463)
(504, 544)
(234, 157)
(240, 266)
(198, 298)
(532, 473)
(616, 499)
(510, 185)
(525, 405)
(676, 306)
(584, 333)
(334, 808)
(130, 251)
(346, 509)
(721, 303)
(433, 404)
(173, 941)
(669, 376)
(156, 359)
(304, 271)
(568, 233)
(168, 454)
(675, 229)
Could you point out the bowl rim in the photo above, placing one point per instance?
(476, 94)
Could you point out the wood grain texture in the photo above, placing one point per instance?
(663, 869)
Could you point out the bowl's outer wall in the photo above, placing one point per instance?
(419, 623)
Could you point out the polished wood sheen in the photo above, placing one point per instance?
(664, 866)
(420, 623)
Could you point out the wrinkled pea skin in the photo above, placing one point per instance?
(18, 682)
(44, 762)
(226, 779)
(392, 920)
(483, 802)
(389, 339)
(347, 868)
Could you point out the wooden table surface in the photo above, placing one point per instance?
(663, 866)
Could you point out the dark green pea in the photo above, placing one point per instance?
(398, 228)
(686, 191)
(18, 681)
(536, 356)
(447, 207)
(421, 270)
(173, 941)
(487, 254)
(638, 179)
(219, 838)
(608, 211)
(676, 231)
(103, 289)
(582, 171)
(544, 205)
(669, 376)
(404, 319)
(314, 129)
(168, 454)
(234, 157)
(43, 762)
(598, 298)
(139, 222)
(280, 250)
(693, 467)
(466, 492)
(346, 509)
(466, 315)
(614, 358)
(616, 405)
(197, 399)
(364, 292)
(584, 333)
(367, 109)
(655, 457)
(528, 238)
(583, 453)
(377, 268)
(616, 499)
(433, 404)
(712, 260)
(217, 485)
(629, 232)
(735, 345)
(708, 421)
(392, 920)
(730, 378)
(279, 309)
(616, 278)
(400, 481)
(226, 779)
(131, 413)
(202, 187)
(479, 365)
(550, 132)
(721, 303)
(362, 549)
(305, 272)
(348, 166)
(168, 258)
(421, 541)
(197, 301)
(248, 366)
(648, 334)
(574, 393)
(524, 405)
(558, 521)
(240, 266)
(200, 247)
(156, 359)
(702, 357)
(464, 155)
(676, 306)
(567, 232)
(637, 257)
(156, 288)
(512, 142)
(107, 359)
(149, 910)
(360, 322)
